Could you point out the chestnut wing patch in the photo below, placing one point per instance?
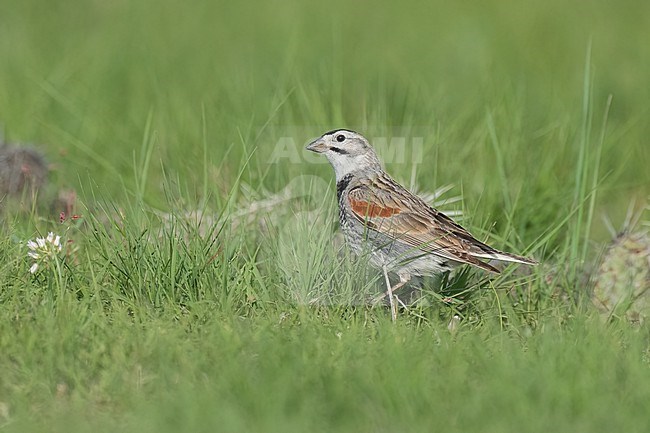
(366, 209)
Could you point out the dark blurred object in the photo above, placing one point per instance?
(65, 204)
(22, 169)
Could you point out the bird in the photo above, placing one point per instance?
(401, 233)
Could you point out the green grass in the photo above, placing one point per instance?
(251, 320)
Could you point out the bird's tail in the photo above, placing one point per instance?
(505, 257)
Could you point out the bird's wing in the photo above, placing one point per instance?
(384, 206)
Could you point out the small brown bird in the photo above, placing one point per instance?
(401, 231)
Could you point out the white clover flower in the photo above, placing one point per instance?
(43, 250)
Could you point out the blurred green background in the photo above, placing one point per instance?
(82, 77)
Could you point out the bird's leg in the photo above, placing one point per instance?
(403, 279)
(389, 293)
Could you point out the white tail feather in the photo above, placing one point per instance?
(505, 257)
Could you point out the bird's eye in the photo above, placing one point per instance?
(340, 138)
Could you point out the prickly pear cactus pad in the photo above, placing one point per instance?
(622, 281)
(21, 168)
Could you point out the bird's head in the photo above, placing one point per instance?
(347, 151)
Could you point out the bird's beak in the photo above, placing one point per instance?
(317, 146)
